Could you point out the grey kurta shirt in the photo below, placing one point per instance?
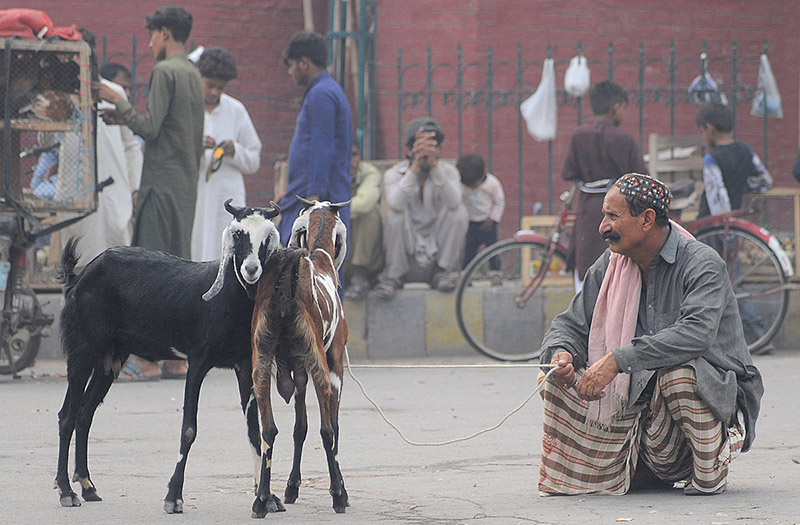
(172, 129)
(689, 317)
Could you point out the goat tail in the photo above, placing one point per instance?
(69, 260)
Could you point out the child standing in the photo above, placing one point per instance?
(485, 202)
(730, 168)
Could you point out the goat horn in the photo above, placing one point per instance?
(274, 212)
(305, 202)
(339, 205)
(236, 211)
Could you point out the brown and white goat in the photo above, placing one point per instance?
(299, 330)
(131, 300)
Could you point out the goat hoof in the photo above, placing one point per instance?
(290, 496)
(173, 507)
(70, 500)
(90, 494)
(263, 507)
(340, 502)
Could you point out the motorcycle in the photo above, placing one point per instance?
(23, 321)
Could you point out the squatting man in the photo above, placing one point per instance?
(654, 383)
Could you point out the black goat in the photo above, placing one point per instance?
(137, 301)
(299, 330)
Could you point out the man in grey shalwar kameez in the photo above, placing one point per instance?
(426, 223)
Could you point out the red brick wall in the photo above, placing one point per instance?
(480, 23)
(256, 31)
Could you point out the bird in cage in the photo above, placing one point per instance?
(51, 106)
(42, 85)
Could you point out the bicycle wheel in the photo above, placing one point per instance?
(489, 308)
(757, 277)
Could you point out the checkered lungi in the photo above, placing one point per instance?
(675, 434)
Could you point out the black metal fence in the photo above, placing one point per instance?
(489, 84)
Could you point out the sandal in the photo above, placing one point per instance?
(134, 373)
(444, 281)
(385, 290)
(357, 290)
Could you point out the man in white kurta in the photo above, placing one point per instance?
(227, 125)
(119, 156)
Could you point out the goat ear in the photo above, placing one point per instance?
(273, 241)
(305, 202)
(224, 261)
(339, 243)
(299, 229)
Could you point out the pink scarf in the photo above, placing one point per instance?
(613, 326)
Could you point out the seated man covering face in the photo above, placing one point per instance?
(653, 376)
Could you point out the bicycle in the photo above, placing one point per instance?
(534, 269)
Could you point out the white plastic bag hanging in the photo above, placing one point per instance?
(539, 110)
(577, 79)
(767, 95)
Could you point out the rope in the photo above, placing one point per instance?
(455, 366)
(454, 440)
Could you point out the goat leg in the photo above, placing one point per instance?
(265, 501)
(328, 405)
(95, 393)
(67, 417)
(244, 375)
(173, 503)
(299, 434)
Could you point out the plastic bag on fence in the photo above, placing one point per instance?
(577, 79)
(767, 94)
(704, 89)
(539, 110)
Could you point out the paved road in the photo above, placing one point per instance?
(488, 480)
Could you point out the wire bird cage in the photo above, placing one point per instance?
(48, 138)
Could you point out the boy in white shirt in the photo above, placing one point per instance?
(485, 202)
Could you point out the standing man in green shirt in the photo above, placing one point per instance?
(172, 128)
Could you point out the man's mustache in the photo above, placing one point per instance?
(611, 236)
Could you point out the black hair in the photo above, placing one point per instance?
(637, 206)
(177, 19)
(217, 62)
(472, 168)
(604, 95)
(307, 44)
(716, 114)
(428, 125)
(110, 70)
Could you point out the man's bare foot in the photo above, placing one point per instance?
(174, 369)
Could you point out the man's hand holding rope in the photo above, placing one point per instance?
(594, 379)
